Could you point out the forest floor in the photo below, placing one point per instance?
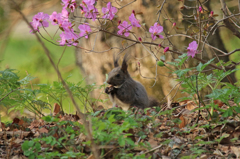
(171, 131)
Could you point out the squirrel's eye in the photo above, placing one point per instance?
(118, 75)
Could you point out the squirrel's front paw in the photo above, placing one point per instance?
(109, 89)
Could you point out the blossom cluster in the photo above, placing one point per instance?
(69, 37)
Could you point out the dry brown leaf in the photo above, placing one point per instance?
(91, 157)
(236, 150)
(204, 156)
(21, 122)
(219, 103)
(217, 152)
(2, 125)
(18, 141)
(56, 109)
(36, 123)
(19, 133)
(183, 123)
(224, 148)
(43, 130)
(152, 140)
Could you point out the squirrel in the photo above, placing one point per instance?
(123, 90)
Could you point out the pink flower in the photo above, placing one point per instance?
(156, 30)
(39, 20)
(35, 25)
(84, 30)
(89, 2)
(56, 18)
(109, 12)
(68, 38)
(72, 6)
(134, 21)
(200, 9)
(192, 49)
(65, 13)
(90, 11)
(124, 28)
(69, 4)
(66, 26)
(65, 3)
(166, 50)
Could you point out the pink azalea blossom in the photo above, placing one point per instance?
(109, 12)
(156, 30)
(84, 30)
(65, 13)
(69, 4)
(89, 2)
(90, 11)
(134, 21)
(192, 49)
(72, 6)
(65, 3)
(39, 20)
(35, 25)
(56, 18)
(124, 28)
(66, 26)
(68, 38)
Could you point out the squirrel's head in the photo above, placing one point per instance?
(119, 74)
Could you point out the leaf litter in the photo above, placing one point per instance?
(175, 131)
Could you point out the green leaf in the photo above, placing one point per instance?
(130, 142)
(26, 79)
(25, 146)
(237, 109)
(227, 113)
(201, 66)
(121, 140)
(30, 143)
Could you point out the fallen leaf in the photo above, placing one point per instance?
(236, 150)
(183, 123)
(56, 109)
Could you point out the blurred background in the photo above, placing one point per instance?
(20, 50)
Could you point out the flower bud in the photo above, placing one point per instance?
(165, 50)
(159, 45)
(160, 63)
(211, 14)
(140, 39)
(138, 64)
(174, 24)
(133, 11)
(119, 22)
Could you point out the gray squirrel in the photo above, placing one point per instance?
(123, 90)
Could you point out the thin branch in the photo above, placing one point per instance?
(82, 116)
(10, 93)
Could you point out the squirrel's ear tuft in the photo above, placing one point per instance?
(124, 63)
(115, 60)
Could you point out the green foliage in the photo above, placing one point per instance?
(15, 93)
(194, 80)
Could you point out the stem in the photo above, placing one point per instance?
(94, 147)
